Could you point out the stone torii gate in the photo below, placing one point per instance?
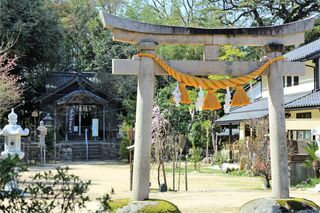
(148, 36)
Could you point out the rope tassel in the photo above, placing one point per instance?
(240, 97)
(185, 99)
(211, 101)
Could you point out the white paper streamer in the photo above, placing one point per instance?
(227, 106)
(177, 95)
(200, 99)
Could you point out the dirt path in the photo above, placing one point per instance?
(208, 192)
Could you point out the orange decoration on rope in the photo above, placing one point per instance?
(240, 97)
(211, 101)
(185, 99)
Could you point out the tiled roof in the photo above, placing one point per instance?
(304, 52)
(255, 110)
(58, 79)
(259, 108)
(310, 100)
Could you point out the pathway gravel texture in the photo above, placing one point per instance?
(208, 192)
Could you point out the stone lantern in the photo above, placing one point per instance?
(12, 133)
(42, 142)
(42, 133)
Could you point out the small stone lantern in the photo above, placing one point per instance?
(42, 142)
(12, 133)
(42, 133)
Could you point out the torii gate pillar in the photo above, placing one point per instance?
(277, 128)
(143, 127)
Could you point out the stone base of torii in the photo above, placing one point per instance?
(147, 36)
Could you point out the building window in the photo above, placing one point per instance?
(295, 80)
(287, 115)
(303, 115)
(304, 135)
(289, 81)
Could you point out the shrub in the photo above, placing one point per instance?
(124, 152)
(220, 157)
(313, 161)
(48, 192)
(195, 157)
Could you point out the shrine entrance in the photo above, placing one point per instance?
(78, 106)
(146, 65)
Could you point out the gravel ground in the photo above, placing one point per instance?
(208, 192)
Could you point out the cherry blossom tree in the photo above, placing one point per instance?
(162, 141)
(10, 90)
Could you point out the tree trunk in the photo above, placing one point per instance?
(207, 148)
(174, 169)
(179, 169)
(267, 180)
(316, 171)
(159, 174)
(186, 173)
(164, 174)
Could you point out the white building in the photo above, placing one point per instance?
(302, 99)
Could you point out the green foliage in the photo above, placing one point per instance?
(88, 46)
(242, 173)
(195, 157)
(179, 117)
(310, 149)
(50, 140)
(230, 53)
(49, 191)
(9, 169)
(220, 157)
(163, 206)
(309, 183)
(190, 168)
(297, 205)
(124, 152)
(262, 13)
(198, 133)
(181, 52)
(118, 203)
(127, 116)
(35, 29)
(125, 142)
(313, 34)
(104, 203)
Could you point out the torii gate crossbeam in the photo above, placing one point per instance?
(147, 36)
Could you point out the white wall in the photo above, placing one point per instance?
(306, 83)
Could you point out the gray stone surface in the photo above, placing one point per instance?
(143, 125)
(130, 31)
(134, 207)
(270, 205)
(204, 68)
(277, 128)
(112, 21)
